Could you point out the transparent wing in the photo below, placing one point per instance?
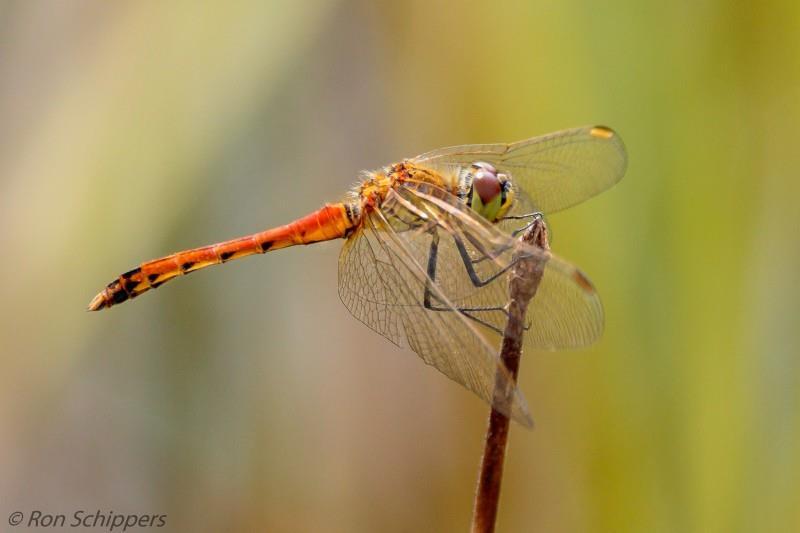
(363, 288)
(557, 170)
(383, 279)
(565, 312)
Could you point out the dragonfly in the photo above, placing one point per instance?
(429, 243)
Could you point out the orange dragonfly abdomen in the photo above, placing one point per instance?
(330, 222)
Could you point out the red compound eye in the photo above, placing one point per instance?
(486, 184)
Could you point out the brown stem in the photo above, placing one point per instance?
(523, 281)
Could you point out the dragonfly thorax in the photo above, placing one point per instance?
(487, 191)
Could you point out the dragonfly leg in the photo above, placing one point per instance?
(482, 322)
(533, 216)
(486, 257)
(432, 259)
(433, 256)
(536, 215)
(470, 265)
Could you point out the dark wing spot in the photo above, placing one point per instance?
(130, 286)
(131, 273)
(601, 132)
(152, 277)
(225, 256)
(187, 265)
(583, 281)
(266, 245)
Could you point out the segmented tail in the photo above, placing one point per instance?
(330, 222)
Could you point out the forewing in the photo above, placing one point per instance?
(393, 256)
(565, 312)
(557, 170)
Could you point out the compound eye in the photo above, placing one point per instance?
(486, 184)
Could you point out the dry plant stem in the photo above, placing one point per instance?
(523, 281)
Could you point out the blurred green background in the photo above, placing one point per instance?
(248, 399)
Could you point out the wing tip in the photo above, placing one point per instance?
(526, 420)
(605, 133)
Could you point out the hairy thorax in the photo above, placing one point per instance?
(373, 190)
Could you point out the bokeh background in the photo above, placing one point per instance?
(248, 399)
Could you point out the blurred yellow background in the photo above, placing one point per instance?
(248, 399)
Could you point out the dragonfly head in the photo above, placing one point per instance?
(490, 193)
